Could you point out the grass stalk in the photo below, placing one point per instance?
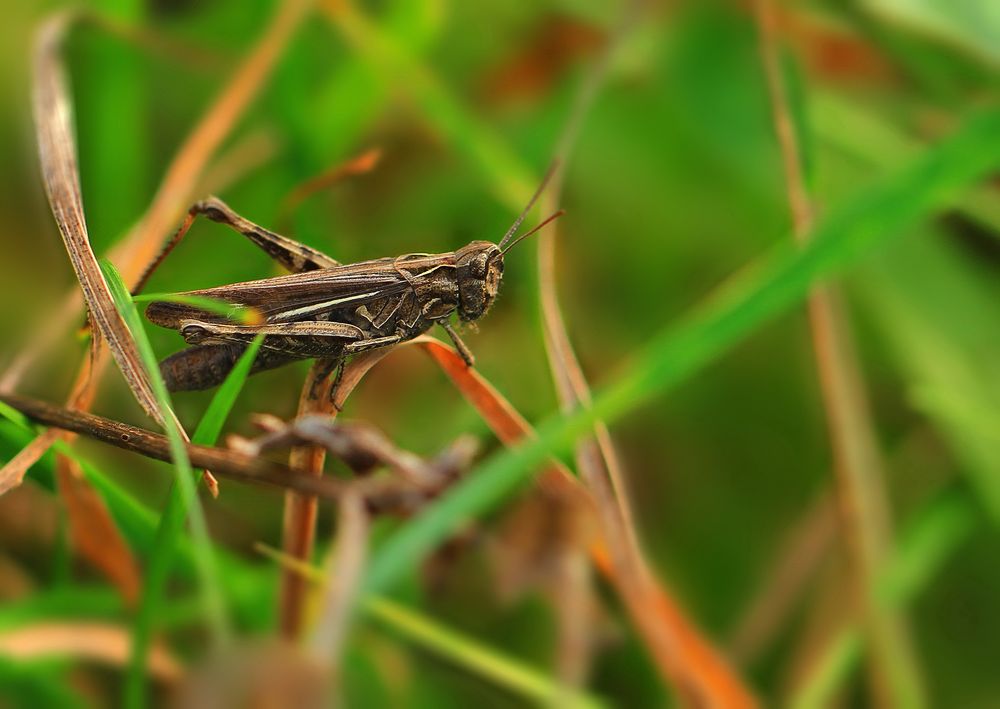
(858, 467)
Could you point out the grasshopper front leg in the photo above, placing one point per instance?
(460, 345)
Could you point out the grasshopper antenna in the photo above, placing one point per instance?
(551, 218)
(534, 198)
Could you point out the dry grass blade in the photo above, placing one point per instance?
(94, 641)
(57, 152)
(365, 162)
(183, 176)
(576, 599)
(12, 474)
(172, 197)
(684, 655)
(247, 154)
(894, 678)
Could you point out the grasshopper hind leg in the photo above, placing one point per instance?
(206, 366)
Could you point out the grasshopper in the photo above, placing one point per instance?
(326, 310)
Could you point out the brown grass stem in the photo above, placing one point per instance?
(299, 530)
(857, 460)
(300, 510)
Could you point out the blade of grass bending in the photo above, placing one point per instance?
(678, 352)
(57, 151)
(174, 515)
(184, 478)
(675, 643)
(459, 649)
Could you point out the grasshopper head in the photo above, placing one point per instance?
(480, 264)
(479, 270)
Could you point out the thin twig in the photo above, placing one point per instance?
(226, 463)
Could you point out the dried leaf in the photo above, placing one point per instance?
(12, 474)
(100, 642)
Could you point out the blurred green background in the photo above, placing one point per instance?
(675, 183)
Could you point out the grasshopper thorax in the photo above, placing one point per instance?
(479, 270)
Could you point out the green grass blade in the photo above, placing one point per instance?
(175, 511)
(471, 655)
(455, 647)
(209, 580)
(210, 426)
(782, 281)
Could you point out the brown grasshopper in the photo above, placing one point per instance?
(324, 309)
